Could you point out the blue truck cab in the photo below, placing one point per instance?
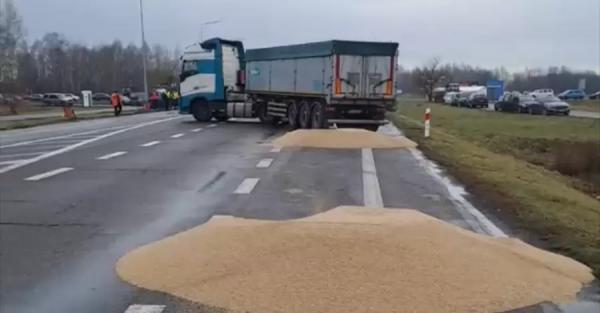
(211, 75)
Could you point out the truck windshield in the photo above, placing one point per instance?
(189, 68)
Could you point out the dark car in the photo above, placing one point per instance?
(521, 103)
(554, 105)
(594, 96)
(478, 101)
(572, 94)
(100, 96)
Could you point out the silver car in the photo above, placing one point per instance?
(57, 99)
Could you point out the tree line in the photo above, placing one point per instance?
(53, 64)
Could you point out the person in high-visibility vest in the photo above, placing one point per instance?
(173, 98)
(115, 100)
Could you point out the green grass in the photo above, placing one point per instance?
(478, 148)
(586, 105)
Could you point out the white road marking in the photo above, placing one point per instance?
(150, 144)
(196, 130)
(4, 156)
(23, 143)
(85, 142)
(145, 308)
(111, 155)
(11, 162)
(276, 149)
(371, 190)
(264, 163)
(480, 223)
(177, 135)
(246, 186)
(212, 125)
(49, 174)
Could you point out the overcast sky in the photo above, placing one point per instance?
(488, 33)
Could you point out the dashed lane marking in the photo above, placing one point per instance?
(177, 135)
(246, 186)
(81, 143)
(49, 174)
(212, 125)
(276, 149)
(264, 163)
(145, 308)
(371, 189)
(150, 144)
(196, 130)
(111, 155)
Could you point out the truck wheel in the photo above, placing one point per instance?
(293, 115)
(304, 115)
(201, 111)
(262, 113)
(318, 117)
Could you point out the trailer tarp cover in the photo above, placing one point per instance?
(323, 48)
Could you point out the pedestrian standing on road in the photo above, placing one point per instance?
(115, 100)
(165, 98)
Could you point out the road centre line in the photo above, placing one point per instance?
(371, 189)
(177, 135)
(111, 155)
(11, 162)
(150, 144)
(276, 149)
(246, 186)
(49, 174)
(4, 156)
(264, 163)
(79, 144)
(145, 308)
(196, 130)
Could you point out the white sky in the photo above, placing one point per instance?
(488, 33)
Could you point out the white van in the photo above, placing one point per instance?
(542, 93)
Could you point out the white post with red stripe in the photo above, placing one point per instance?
(427, 121)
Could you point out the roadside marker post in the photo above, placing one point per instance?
(427, 121)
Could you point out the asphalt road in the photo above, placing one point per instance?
(75, 197)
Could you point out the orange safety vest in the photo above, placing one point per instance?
(115, 99)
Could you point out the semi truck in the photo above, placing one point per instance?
(312, 85)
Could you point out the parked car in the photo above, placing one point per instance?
(572, 94)
(478, 100)
(529, 104)
(438, 94)
(101, 96)
(35, 97)
(72, 96)
(594, 96)
(554, 105)
(542, 93)
(509, 102)
(451, 98)
(57, 99)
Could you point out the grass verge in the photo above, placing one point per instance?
(586, 105)
(476, 148)
(26, 123)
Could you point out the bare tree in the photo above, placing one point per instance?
(11, 35)
(428, 76)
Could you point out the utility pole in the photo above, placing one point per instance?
(144, 53)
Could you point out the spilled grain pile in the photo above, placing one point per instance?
(348, 138)
(351, 259)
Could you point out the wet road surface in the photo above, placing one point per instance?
(76, 197)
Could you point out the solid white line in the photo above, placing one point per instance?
(264, 163)
(196, 130)
(85, 142)
(212, 125)
(481, 223)
(49, 174)
(11, 162)
(145, 308)
(371, 190)
(22, 143)
(4, 156)
(177, 135)
(246, 186)
(276, 149)
(111, 155)
(150, 144)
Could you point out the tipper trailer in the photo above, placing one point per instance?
(309, 85)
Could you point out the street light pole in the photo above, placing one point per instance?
(144, 53)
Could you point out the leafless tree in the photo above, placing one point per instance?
(429, 76)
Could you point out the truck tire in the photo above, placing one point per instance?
(293, 115)
(304, 116)
(318, 115)
(201, 111)
(262, 110)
